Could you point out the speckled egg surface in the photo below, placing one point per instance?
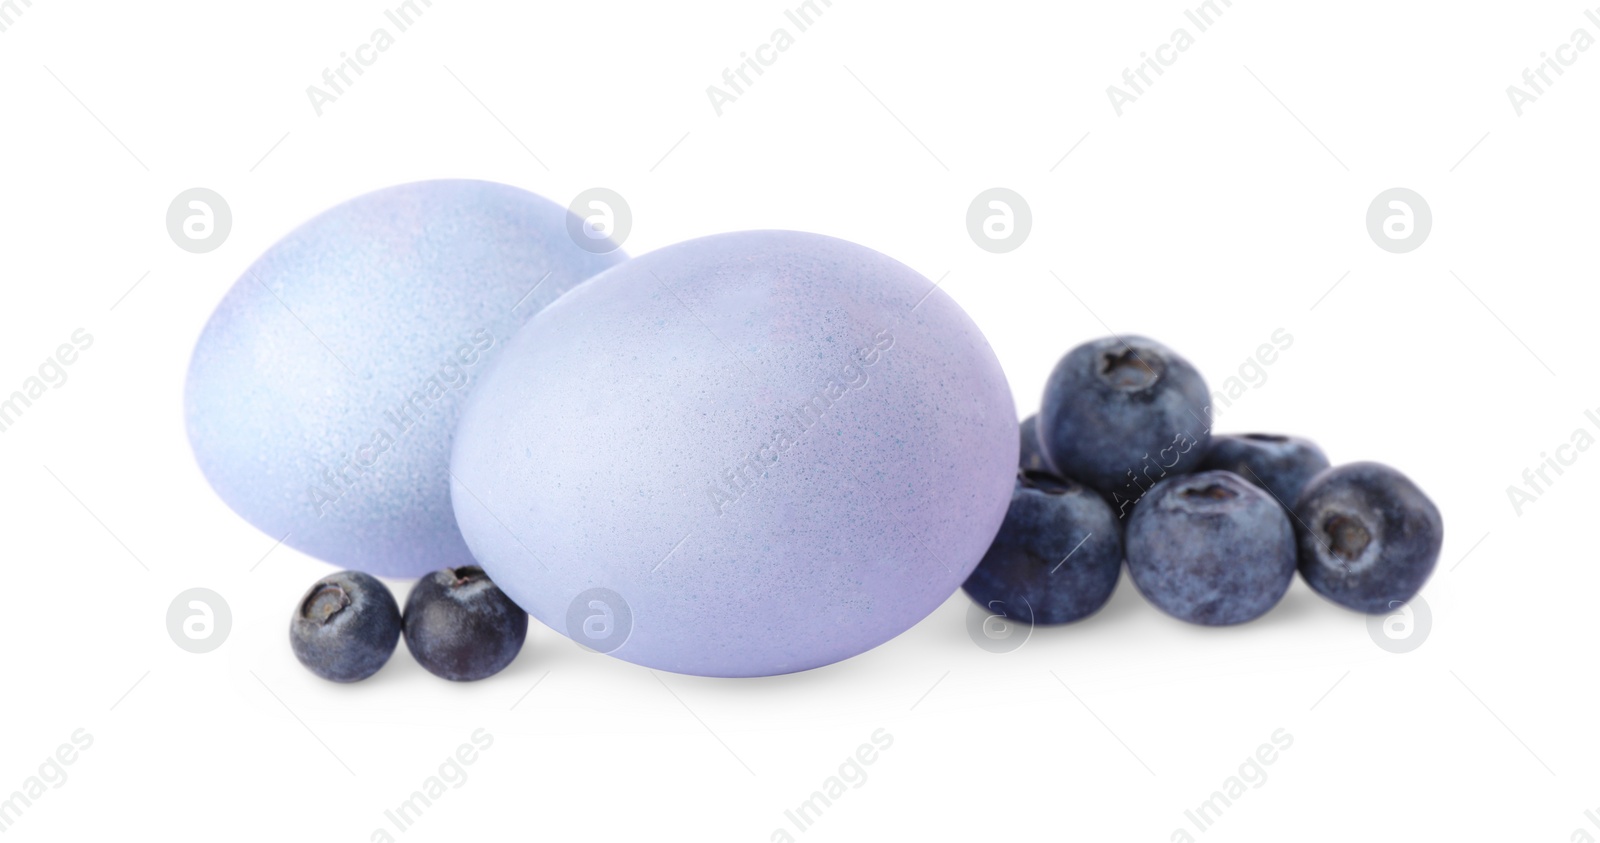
(743, 455)
(324, 390)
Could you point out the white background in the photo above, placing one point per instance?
(1207, 216)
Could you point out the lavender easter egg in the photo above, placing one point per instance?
(324, 390)
(743, 455)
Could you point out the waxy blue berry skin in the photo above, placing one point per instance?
(1032, 457)
(1120, 413)
(461, 626)
(1057, 556)
(345, 627)
(1279, 464)
(1368, 537)
(1211, 548)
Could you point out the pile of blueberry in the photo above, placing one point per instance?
(457, 623)
(1120, 464)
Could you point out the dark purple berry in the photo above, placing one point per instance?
(345, 627)
(461, 626)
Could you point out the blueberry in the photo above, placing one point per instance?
(1210, 548)
(461, 626)
(1120, 414)
(1368, 536)
(345, 627)
(1279, 464)
(1057, 556)
(1032, 458)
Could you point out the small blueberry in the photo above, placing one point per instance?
(1368, 536)
(345, 627)
(1210, 548)
(1057, 556)
(461, 626)
(1279, 464)
(1119, 414)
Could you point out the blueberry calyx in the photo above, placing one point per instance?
(466, 575)
(1210, 491)
(1128, 370)
(324, 602)
(1347, 536)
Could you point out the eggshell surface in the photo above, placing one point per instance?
(324, 390)
(747, 454)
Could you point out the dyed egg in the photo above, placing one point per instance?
(743, 455)
(324, 389)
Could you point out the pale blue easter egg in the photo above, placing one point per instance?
(743, 455)
(324, 390)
